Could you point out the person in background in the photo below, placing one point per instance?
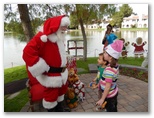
(109, 36)
(107, 85)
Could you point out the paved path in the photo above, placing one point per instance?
(133, 95)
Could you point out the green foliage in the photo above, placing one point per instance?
(117, 18)
(125, 10)
(90, 13)
(140, 74)
(37, 13)
(13, 26)
(74, 21)
(16, 28)
(108, 9)
(133, 26)
(35, 23)
(86, 12)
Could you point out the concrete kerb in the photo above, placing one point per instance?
(93, 67)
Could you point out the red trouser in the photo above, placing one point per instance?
(52, 94)
(38, 92)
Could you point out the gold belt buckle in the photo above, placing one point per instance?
(64, 68)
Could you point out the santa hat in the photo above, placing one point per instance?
(115, 49)
(51, 25)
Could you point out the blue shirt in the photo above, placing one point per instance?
(110, 38)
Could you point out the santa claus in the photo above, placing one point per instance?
(45, 59)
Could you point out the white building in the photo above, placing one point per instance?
(95, 26)
(135, 21)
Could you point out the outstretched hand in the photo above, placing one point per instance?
(100, 102)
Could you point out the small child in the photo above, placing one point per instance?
(107, 85)
(102, 64)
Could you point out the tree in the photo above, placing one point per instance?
(124, 11)
(85, 14)
(25, 20)
(80, 13)
(31, 16)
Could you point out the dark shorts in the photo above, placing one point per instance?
(111, 105)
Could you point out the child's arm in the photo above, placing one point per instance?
(105, 93)
(94, 80)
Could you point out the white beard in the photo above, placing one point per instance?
(58, 36)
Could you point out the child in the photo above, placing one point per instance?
(108, 84)
(102, 64)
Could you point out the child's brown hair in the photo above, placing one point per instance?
(113, 61)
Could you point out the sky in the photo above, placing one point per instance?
(140, 8)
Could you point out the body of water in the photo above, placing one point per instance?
(13, 48)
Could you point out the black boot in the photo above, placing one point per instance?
(51, 110)
(61, 107)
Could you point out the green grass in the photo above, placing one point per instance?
(15, 73)
(15, 104)
(19, 72)
(93, 60)
(131, 61)
(84, 64)
(134, 29)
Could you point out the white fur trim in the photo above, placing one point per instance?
(112, 52)
(65, 21)
(49, 105)
(39, 68)
(53, 81)
(60, 98)
(64, 76)
(53, 37)
(43, 38)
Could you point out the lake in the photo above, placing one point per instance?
(13, 47)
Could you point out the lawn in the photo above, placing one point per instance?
(19, 72)
(93, 60)
(15, 73)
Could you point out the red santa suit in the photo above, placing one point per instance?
(43, 55)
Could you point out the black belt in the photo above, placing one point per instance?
(56, 69)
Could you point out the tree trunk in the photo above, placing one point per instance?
(25, 20)
(84, 40)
